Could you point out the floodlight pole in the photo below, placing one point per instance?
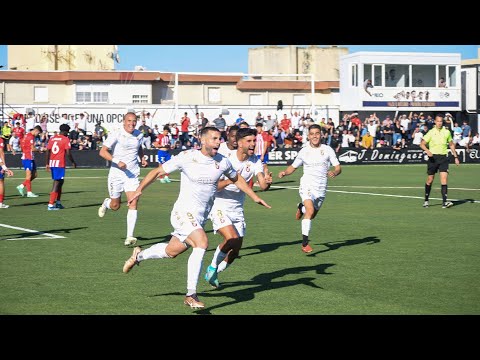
(175, 96)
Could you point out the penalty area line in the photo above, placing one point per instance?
(374, 194)
(48, 235)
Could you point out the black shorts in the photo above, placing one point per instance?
(437, 163)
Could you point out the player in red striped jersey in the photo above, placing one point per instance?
(28, 147)
(162, 143)
(58, 147)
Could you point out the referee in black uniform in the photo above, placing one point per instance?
(437, 139)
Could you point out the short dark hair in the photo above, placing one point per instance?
(315, 126)
(38, 127)
(244, 132)
(207, 129)
(65, 128)
(233, 128)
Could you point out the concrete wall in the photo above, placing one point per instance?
(322, 62)
(23, 93)
(273, 60)
(70, 57)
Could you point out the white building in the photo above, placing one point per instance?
(404, 82)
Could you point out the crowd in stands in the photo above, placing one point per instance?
(287, 129)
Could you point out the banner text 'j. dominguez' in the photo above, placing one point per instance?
(281, 157)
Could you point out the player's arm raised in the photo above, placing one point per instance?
(337, 171)
(242, 185)
(265, 180)
(288, 171)
(147, 180)
(104, 152)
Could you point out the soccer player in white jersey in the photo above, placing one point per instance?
(316, 159)
(227, 211)
(125, 145)
(200, 172)
(229, 147)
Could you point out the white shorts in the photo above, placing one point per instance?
(119, 181)
(307, 193)
(184, 222)
(221, 218)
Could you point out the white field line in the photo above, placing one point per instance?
(295, 188)
(51, 236)
(372, 194)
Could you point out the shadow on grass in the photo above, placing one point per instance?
(260, 283)
(35, 234)
(30, 204)
(263, 248)
(84, 206)
(160, 239)
(463, 201)
(282, 182)
(270, 190)
(334, 245)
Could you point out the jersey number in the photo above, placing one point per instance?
(55, 148)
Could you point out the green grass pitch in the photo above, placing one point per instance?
(376, 249)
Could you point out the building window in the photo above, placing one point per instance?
(92, 93)
(299, 100)
(354, 73)
(83, 97)
(100, 97)
(40, 94)
(373, 72)
(214, 95)
(397, 75)
(423, 76)
(256, 99)
(367, 72)
(452, 76)
(139, 99)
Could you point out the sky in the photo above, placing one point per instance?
(232, 58)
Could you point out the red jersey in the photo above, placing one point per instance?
(19, 131)
(1, 144)
(285, 124)
(268, 139)
(58, 146)
(163, 141)
(185, 123)
(27, 144)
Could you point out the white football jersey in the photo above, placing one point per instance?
(316, 162)
(124, 146)
(225, 151)
(231, 196)
(199, 177)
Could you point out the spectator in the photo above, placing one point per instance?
(239, 120)
(367, 85)
(269, 123)
(367, 141)
(185, 123)
(14, 144)
(221, 124)
(147, 131)
(259, 118)
(466, 129)
(442, 83)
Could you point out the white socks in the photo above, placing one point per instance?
(306, 225)
(107, 202)
(218, 257)
(194, 268)
(222, 266)
(131, 221)
(156, 251)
